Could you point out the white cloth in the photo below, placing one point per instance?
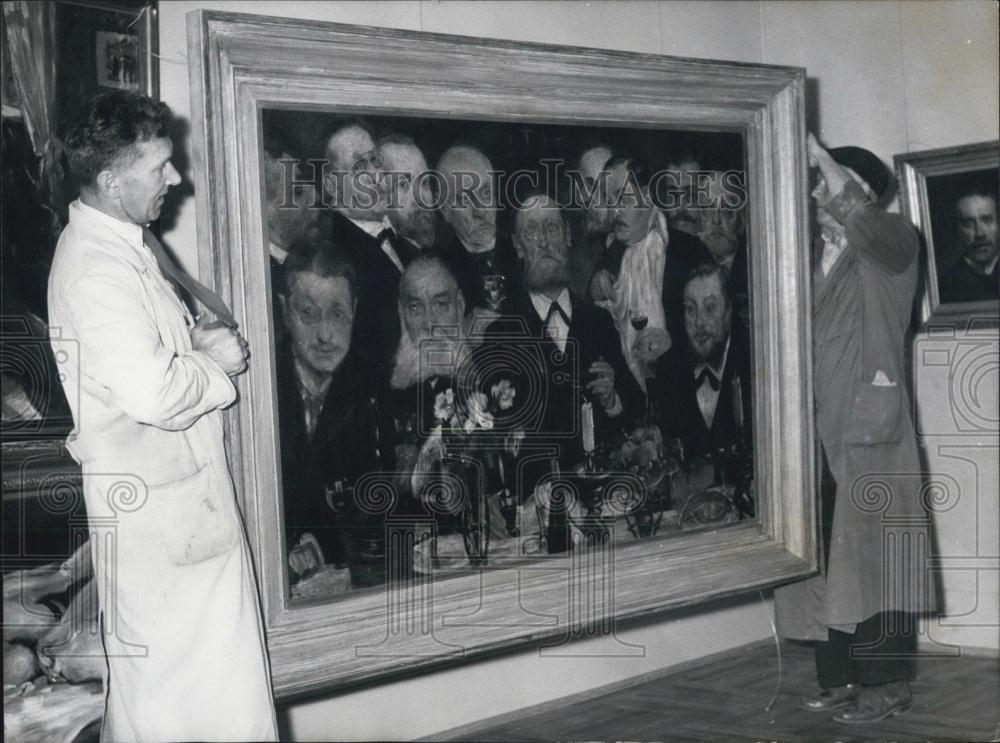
(183, 632)
(831, 252)
(556, 326)
(375, 228)
(639, 288)
(278, 253)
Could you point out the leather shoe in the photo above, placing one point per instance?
(877, 703)
(829, 699)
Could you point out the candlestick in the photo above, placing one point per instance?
(587, 420)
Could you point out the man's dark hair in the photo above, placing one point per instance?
(636, 165)
(313, 253)
(105, 132)
(278, 145)
(975, 190)
(704, 270)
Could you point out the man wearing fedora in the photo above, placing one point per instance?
(861, 610)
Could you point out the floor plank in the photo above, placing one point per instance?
(726, 699)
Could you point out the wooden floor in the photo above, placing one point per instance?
(955, 699)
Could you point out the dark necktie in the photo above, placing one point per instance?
(404, 249)
(556, 309)
(708, 374)
(209, 299)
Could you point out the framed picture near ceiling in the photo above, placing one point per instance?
(950, 194)
(254, 76)
(103, 45)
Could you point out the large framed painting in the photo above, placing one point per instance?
(950, 194)
(448, 549)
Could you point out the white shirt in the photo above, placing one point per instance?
(374, 228)
(556, 327)
(831, 252)
(708, 398)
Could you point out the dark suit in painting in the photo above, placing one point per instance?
(551, 385)
(376, 324)
(674, 394)
(471, 269)
(962, 283)
(342, 448)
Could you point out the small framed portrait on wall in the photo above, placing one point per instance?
(951, 196)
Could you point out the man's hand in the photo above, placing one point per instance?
(224, 346)
(602, 286)
(834, 175)
(650, 344)
(602, 386)
(306, 557)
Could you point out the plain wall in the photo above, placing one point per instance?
(890, 76)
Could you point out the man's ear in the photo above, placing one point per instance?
(330, 185)
(107, 185)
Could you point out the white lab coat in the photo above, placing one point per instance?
(183, 631)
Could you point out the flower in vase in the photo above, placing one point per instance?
(479, 413)
(444, 408)
(503, 392)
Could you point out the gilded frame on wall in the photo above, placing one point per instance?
(242, 64)
(931, 184)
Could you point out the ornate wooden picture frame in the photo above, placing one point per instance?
(242, 65)
(932, 182)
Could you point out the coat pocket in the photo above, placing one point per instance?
(875, 417)
(193, 521)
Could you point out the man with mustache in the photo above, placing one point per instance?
(410, 200)
(722, 227)
(326, 419)
(558, 349)
(357, 222)
(702, 389)
(644, 267)
(974, 276)
(480, 259)
(683, 164)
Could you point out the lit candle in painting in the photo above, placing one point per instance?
(587, 419)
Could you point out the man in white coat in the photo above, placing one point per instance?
(181, 619)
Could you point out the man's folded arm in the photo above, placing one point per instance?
(889, 239)
(121, 348)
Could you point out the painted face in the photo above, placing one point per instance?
(409, 204)
(593, 200)
(629, 207)
(707, 317)
(719, 227)
(143, 183)
(542, 242)
(428, 298)
(355, 181)
(469, 208)
(319, 314)
(287, 219)
(977, 229)
(678, 210)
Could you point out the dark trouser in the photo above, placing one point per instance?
(881, 648)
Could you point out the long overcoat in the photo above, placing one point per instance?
(880, 531)
(181, 618)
